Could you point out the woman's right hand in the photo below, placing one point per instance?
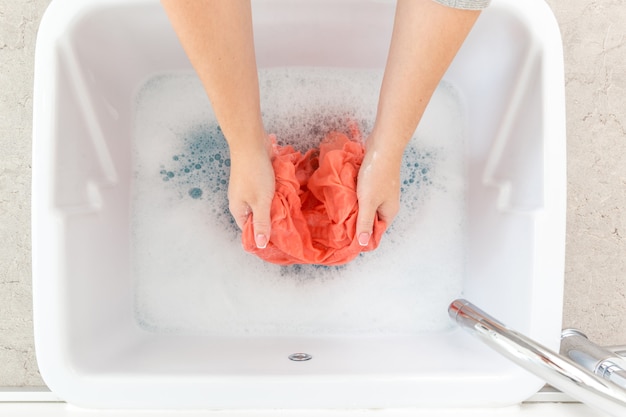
(217, 37)
(251, 188)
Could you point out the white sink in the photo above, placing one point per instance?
(143, 300)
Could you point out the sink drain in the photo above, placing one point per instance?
(300, 357)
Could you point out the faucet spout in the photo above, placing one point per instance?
(559, 371)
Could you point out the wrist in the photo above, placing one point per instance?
(250, 145)
(386, 145)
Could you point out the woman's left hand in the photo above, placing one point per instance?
(378, 188)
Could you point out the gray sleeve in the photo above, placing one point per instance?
(465, 4)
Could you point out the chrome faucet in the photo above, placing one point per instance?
(596, 381)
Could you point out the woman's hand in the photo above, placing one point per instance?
(218, 39)
(251, 189)
(426, 37)
(378, 188)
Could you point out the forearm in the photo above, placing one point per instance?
(426, 37)
(465, 4)
(217, 37)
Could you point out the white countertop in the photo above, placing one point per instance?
(60, 409)
(39, 401)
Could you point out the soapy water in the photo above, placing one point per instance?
(191, 274)
(204, 166)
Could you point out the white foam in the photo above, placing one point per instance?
(191, 274)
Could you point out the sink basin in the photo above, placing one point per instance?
(143, 297)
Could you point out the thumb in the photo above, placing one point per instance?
(261, 224)
(365, 223)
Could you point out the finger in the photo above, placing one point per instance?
(240, 212)
(388, 210)
(261, 224)
(365, 222)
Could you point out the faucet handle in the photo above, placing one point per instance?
(597, 359)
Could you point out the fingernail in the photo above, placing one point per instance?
(261, 241)
(364, 239)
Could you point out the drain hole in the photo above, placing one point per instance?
(299, 357)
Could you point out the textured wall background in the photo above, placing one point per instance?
(595, 79)
(595, 75)
(18, 26)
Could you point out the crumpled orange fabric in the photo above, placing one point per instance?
(314, 209)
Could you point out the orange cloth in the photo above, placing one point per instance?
(314, 210)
